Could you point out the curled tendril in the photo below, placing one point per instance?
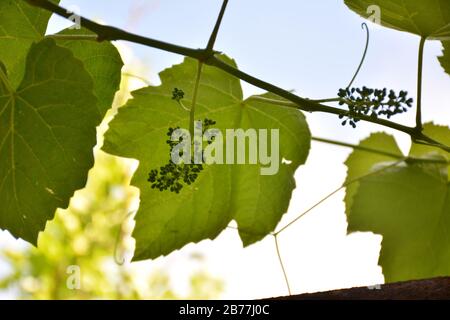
(370, 102)
(364, 26)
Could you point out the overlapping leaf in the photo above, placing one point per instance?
(47, 132)
(58, 99)
(410, 207)
(408, 204)
(20, 26)
(445, 58)
(359, 163)
(438, 133)
(429, 18)
(101, 60)
(167, 221)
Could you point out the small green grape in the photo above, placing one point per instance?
(177, 94)
(373, 103)
(173, 176)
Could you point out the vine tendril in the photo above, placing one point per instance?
(364, 26)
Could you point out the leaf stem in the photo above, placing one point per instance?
(284, 103)
(194, 99)
(431, 143)
(74, 37)
(419, 127)
(378, 151)
(327, 100)
(358, 147)
(287, 103)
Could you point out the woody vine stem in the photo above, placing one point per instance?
(208, 57)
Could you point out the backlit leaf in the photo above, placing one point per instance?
(167, 221)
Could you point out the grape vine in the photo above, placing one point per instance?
(210, 81)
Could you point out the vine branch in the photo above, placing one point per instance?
(303, 103)
(194, 99)
(212, 39)
(109, 33)
(419, 85)
(417, 137)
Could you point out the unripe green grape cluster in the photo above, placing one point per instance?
(373, 103)
(177, 94)
(174, 177)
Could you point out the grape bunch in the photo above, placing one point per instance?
(373, 103)
(173, 176)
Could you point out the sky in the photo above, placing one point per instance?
(313, 48)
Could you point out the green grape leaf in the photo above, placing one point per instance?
(438, 133)
(445, 58)
(408, 204)
(167, 221)
(47, 133)
(360, 162)
(20, 25)
(410, 207)
(429, 18)
(101, 60)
